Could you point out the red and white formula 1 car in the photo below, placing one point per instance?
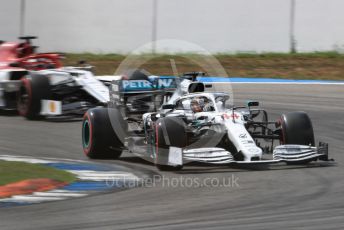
(16, 59)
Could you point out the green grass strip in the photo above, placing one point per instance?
(11, 172)
(316, 65)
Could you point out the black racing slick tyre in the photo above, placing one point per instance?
(101, 137)
(169, 131)
(296, 128)
(34, 88)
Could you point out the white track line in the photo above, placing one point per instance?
(31, 199)
(38, 197)
(24, 159)
(64, 191)
(102, 176)
(58, 194)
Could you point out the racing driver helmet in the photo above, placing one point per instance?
(197, 105)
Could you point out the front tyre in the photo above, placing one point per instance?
(34, 88)
(102, 137)
(169, 131)
(296, 128)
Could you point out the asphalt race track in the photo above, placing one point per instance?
(283, 197)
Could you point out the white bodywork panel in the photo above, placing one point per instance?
(8, 85)
(50, 107)
(175, 156)
(236, 131)
(108, 78)
(4, 75)
(295, 152)
(208, 155)
(240, 137)
(82, 78)
(94, 87)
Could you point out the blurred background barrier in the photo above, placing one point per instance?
(226, 26)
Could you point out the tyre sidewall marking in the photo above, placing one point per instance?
(90, 142)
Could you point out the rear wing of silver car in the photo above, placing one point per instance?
(143, 95)
(148, 94)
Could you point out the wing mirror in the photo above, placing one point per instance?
(202, 118)
(196, 87)
(252, 103)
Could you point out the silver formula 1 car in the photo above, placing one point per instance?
(190, 123)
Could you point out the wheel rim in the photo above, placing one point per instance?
(86, 134)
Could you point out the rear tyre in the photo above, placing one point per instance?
(102, 137)
(170, 131)
(34, 88)
(296, 128)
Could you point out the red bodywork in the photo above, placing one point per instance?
(22, 55)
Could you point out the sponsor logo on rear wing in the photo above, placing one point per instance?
(121, 89)
(152, 84)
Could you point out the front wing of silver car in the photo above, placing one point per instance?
(281, 153)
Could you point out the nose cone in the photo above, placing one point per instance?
(253, 154)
